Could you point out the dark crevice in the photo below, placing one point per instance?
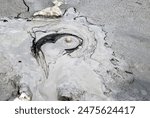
(19, 14)
(28, 8)
(128, 72)
(3, 20)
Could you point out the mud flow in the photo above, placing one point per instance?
(76, 60)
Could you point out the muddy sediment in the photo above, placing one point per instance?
(65, 58)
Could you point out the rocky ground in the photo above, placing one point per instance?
(97, 50)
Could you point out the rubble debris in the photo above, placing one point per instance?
(54, 11)
(24, 93)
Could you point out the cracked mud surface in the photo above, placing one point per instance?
(78, 56)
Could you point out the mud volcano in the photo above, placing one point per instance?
(72, 53)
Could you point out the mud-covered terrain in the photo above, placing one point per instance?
(83, 50)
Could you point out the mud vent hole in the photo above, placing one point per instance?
(64, 98)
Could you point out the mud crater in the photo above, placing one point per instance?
(67, 47)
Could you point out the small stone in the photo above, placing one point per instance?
(68, 40)
(23, 97)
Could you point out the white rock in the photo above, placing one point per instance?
(23, 97)
(50, 11)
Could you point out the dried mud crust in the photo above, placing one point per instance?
(10, 86)
(9, 80)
